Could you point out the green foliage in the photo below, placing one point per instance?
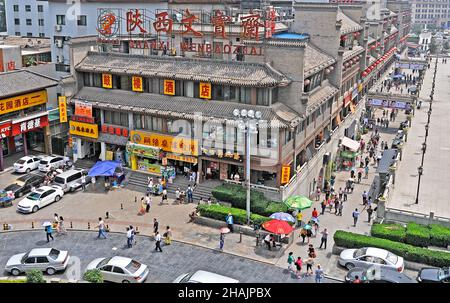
(439, 235)
(408, 252)
(35, 276)
(237, 196)
(394, 232)
(220, 212)
(93, 276)
(14, 281)
(417, 235)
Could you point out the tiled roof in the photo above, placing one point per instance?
(178, 107)
(22, 82)
(353, 52)
(320, 96)
(315, 60)
(348, 25)
(214, 71)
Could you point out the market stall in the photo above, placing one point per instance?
(348, 153)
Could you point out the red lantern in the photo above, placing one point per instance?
(307, 81)
(104, 128)
(111, 130)
(343, 38)
(118, 131)
(125, 132)
(364, 74)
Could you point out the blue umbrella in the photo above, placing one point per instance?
(282, 216)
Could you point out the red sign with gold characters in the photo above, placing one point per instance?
(169, 87)
(285, 174)
(113, 130)
(137, 84)
(107, 80)
(29, 125)
(205, 90)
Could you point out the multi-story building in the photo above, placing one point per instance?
(2, 17)
(27, 18)
(431, 12)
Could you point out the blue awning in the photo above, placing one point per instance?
(104, 169)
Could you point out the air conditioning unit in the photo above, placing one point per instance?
(59, 43)
(58, 28)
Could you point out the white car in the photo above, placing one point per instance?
(120, 269)
(49, 260)
(26, 164)
(39, 198)
(50, 162)
(368, 257)
(201, 276)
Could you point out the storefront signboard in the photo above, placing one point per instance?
(62, 109)
(83, 129)
(389, 104)
(83, 109)
(285, 174)
(182, 158)
(109, 155)
(169, 87)
(16, 103)
(107, 80)
(205, 90)
(29, 125)
(5, 129)
(143, 150)
(114, 130)
(178, 145)
(137, 84)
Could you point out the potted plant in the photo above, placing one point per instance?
(93, 276)
(35, 276)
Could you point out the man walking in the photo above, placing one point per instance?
(229, 220)
(290, 261)
(48, 232)
(369, 213)
(364, 198)
(101, 228)
(355, 216)
(148, 203)
(323, 204)
(221, 241)
(341, 192)
(158, 242)
(324, 238)
(155, 226)
(341, 207)
(83, 182)
(319, 274)
(129, 237)
(190, 194)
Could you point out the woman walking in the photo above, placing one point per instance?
(309, 266)
(62, 227)
(298, 265)
(168, 236)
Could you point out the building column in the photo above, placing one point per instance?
(1, 154)
(102, 116)
(25, 148)
(47, 140)
(130, 121)
(103, 151)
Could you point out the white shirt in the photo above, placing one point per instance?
(177, 193)
(164, 192)
(101, 224)
(158, 237)
(148, 200)
(129, 233)
(83, 179)
(267, 238)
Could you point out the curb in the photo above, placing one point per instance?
(7, 170)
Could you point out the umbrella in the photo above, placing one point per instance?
(282, 217)
(47, 223)
(224, 230)
(307, 226)
(299, 202)
(278, 227)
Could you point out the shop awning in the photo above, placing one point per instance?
(104, 168)
(350, 144)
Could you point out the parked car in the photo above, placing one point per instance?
(24, 184)
(201, 276)
(120, 269)
(70, 180)
(367, 257)
(434, 275)
(26, 164)
(49, 162)
(48, 260)
(39, 198)
(380, 275)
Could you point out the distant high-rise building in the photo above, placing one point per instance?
(2, 16)
(431, 12)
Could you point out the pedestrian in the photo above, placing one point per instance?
(367, 160)
(315, 213)
(316, 228)
(158, 242)
(309, 233)
(93, 182)
(149, 185)
(336, 206)
(382, 145)
(345, 195)
(155, 226)
(101, 228)
(323, 204)
(311, 251)
(290, 261)
(355, 216)
(298, 265)
(209, 201)
(267, 239)
(369, 213)
(190, 194)
(83, 182)
(229, 220)
(148, 203)
(341, 192)
(364, 198)
(56, 223)
(168, 236)
(341, 207)
(164, 195)
(352, 173)
(317, 193)
(324, 238)
(48, 232)
(299, 219)
(319, 274)
(359, 176)
(309, 266)
(357, 280)
(129, 237)
(177, 195)
(366, 171)
(222, 241)
(143, 207)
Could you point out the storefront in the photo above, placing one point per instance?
(113, 141)
(85, 140)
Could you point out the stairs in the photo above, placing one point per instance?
(84, 164)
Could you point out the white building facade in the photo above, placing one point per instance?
(27, 18)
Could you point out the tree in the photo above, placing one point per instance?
(433, 46)
(35, 276)
(93, 276)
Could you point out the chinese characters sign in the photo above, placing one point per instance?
(112, 130)
(169, 87)
(179, 145)
(107, 80)
(62, 109)
(83, 129)
(23, 101)
(285, 174)
(29, 125)
(389, 104)
(83, 109)
(205, 90)
(136, 83)
(5, 129)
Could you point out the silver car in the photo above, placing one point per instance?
(369, 257)
(201, 276)
(120, 269)
(48, 260)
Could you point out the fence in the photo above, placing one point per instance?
(405, 216)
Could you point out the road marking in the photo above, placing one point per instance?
(114, 248)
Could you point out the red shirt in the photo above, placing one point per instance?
(315, 213)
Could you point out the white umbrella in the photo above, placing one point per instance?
(47, 223)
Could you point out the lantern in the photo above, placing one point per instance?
(347, 64)
(307, 81)
(364, 73)
(327, 71)
(343, 38)
(331, 68)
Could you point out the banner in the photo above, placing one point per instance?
(83, 129)
(285, 174)
(29, 125)
(178, 145)
(62, 108)
(109, 155)
(16, 103)
(137, 84)
(107, 80)
(83, 109)
(205, 90)
(169, 87)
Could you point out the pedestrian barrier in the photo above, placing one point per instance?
(89, 225)
(5, 226)
(135, 199)
(32, 224)
(121, 206)
(240, 237)
(107, 215)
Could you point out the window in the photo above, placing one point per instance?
(29, 34)
(31, 260)
(262, 96)
(40, 8)
(60, 19)
(16, 8)
(28, 21)
(17, 21)
(137, 121)
(245, 95)
(107, 268)
(41, 35)
(82, 20)
(17, 33)
(41, 22)
(41, 260)
(28, 8)
(118, 270)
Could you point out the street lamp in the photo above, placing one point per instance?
(420, 171)
(247, 123)
(426, 131)
(424, 147)
(429, 114)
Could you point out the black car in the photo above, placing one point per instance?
(434, 275)
(379, 275)
(24, 184)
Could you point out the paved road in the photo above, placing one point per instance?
(175, 259)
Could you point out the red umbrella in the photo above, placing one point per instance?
(278, 227)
